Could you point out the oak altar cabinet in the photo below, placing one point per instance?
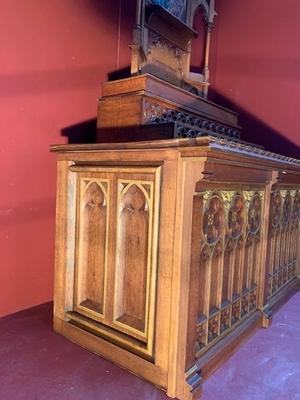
(170, 253)
(175, 240)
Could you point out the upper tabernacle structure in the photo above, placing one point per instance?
(162, 41)
(162, 90)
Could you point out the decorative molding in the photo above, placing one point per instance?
(249, 149)
(187, 125)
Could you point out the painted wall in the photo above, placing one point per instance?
(54, 56)
(256, 69)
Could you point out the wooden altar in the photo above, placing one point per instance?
(169, 253)
(175, 240)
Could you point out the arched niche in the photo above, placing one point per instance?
(197, 58)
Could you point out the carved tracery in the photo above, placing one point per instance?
(229, 261)
(283, 239)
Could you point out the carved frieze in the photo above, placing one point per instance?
(187, 125)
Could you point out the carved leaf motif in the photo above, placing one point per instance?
(225, 319)
(213, 327)
(227, 197)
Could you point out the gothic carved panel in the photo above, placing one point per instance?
(283, 238)
(134, 257)
(229, 261)
(92, 253)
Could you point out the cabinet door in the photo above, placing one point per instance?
(116, 250)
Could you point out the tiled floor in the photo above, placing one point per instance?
(37, 364)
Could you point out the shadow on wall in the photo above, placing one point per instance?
(256, 131)
(253, 130)
(84, 132)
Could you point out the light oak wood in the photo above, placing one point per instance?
(170, 253)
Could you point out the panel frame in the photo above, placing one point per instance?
(80, 193)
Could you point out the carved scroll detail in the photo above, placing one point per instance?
(186, 124)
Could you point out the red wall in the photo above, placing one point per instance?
(256, 68)
(54, 56)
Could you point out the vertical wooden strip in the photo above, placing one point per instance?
(64, 240)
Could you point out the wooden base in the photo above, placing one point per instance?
(116, 354)
(223, 350)
(283, 295)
